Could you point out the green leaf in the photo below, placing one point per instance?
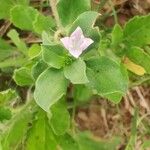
(0, 145)
(5, 114)
(43, 23)
(92, 53)
(117, 35)
(6, 50)
(107, 77)
(22, 2)
(50, 138)
(47, 38)
(11, 62)
(40, 136)
(104, 45)
(23, 17)
(84, 23)
(17, 129)
(67, 142)
(14, 36)
(38, 68)
(54, 55)
(7, 5)
(87, 26)
(137, 31)
(94, 34)
(73, 7)
(138, 56)
(7, 95)
(146, 144)
(82, 93)
(50, 87)
(87, 142)
(60, 122)
(76, 72)
(23, 76)
(34, 51)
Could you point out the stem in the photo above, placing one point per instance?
(53, 4)
(139, 82)
(114, 11)
(73, 117)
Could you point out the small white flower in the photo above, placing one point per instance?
(76, 43)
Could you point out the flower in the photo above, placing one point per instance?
(76, 43)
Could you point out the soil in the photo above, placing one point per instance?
(106, 120)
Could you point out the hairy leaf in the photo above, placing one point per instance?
(23, 17)
(15, 133)
(43, 23)
(14, 36)
(60, 122)
(6, 50)
(67, 142)
(50, 86)
(73, 7)
(6, 5)
(117, 35)
(34, 51)
(87, 26)
(5, 113)
(76, 72)
(137, 31)
(7, 95)
(54, 55)
(38, 68)
(40, 135)
(87, 142)
(84, 23)
(23, 76)
(82, 93)
(107, 77)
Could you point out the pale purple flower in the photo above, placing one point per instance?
(76, 43)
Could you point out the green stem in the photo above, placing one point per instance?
(114, 11)
(139, 82)
(73, 117)
(53, 4)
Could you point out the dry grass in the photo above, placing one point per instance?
(106, 120)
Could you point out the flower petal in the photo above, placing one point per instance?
(87, 42)
(76, 43)
(75, 53)
(66, 42)
(77, 34)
